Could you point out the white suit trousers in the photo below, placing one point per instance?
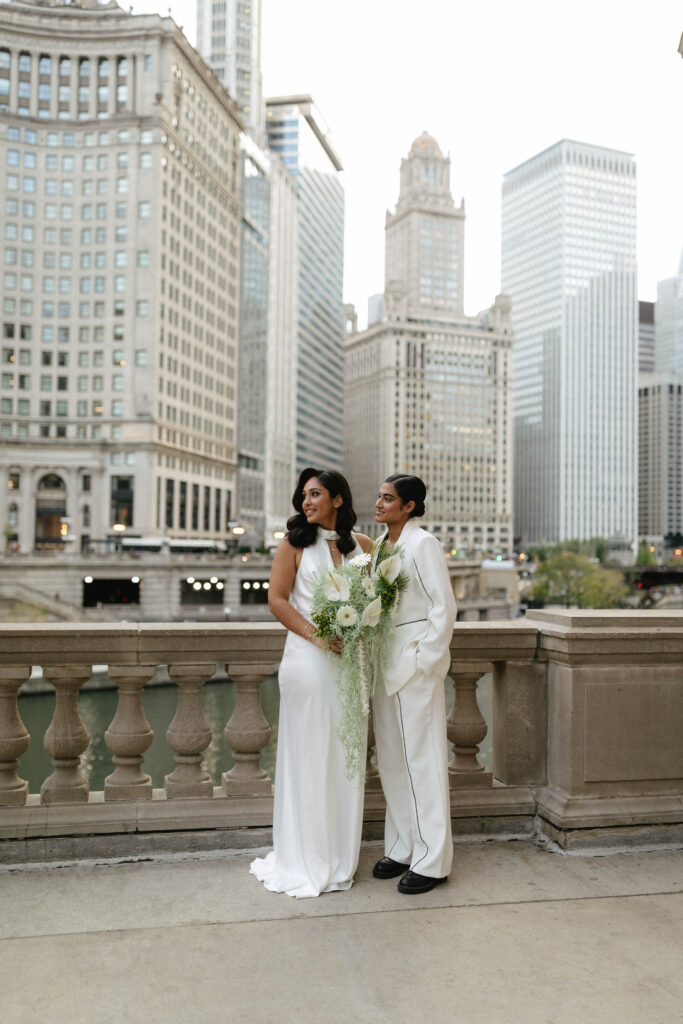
(412, 758)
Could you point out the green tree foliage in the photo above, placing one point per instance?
(571, 579)
(595, 547)
(645, 556)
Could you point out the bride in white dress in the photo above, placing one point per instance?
(318, 811)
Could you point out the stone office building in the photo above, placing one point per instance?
(428, 390)
(120, 191)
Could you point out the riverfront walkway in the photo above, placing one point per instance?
(519, 935)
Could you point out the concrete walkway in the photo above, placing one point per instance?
(518, 935)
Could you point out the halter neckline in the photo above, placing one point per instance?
(328, 534)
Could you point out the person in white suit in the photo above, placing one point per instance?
(409, 701)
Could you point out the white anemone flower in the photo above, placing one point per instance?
(390, 568)
(361, 560)
(336, 587)
(347, 616)
(371, 613)
(368, 586)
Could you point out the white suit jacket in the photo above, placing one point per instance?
(425, 617)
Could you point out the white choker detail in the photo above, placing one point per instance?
(328, 534)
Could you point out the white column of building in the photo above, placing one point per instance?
(5, 499)
(28, 489)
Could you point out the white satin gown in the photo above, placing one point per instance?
(318, 811)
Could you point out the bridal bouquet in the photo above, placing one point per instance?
(356, 602)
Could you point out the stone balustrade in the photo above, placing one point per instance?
(587, 734)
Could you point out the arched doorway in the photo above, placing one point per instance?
(50, 510)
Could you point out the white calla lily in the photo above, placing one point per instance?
(368, 586)
(371, 613)
(336, 587)
(390, 568)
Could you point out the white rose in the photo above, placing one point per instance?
(347, 616)
(336, 587)
(390, 568)
(371, 613)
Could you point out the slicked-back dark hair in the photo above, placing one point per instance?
(301, 533)
(410, 488)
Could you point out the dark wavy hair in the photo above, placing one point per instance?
(301, 533)
(410, 488)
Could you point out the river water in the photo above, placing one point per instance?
(98, 707)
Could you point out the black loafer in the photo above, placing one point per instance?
(413, 883)
(388, 868)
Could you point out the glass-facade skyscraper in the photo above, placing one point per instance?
(253, 354)
(298, 134)
(569, 268)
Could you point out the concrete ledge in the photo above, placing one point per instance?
(98, 817)
(576, 812)
(624, 837)
(146, 845)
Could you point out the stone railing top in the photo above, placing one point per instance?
(616, 635)
(622, 618)
(148, 643)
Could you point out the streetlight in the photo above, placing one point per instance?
(118, 529)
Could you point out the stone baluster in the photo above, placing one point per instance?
(372, 780)
(189, 734)
(14, 738)
(66, 737)
(247, 733)
(466, 729)
(129, 736)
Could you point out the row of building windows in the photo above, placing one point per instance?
(26, 62)
(77, 431)
(24, 356)
(67, 140)
(84, 75)
(66, 210)
(83, 408)
(64, 309)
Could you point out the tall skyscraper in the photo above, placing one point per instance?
(428, 390)
(298, 134)
(229, 40)
(268, 343)
(569, 267)
(122, 206)
(669, 323)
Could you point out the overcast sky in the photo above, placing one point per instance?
(495, 82)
